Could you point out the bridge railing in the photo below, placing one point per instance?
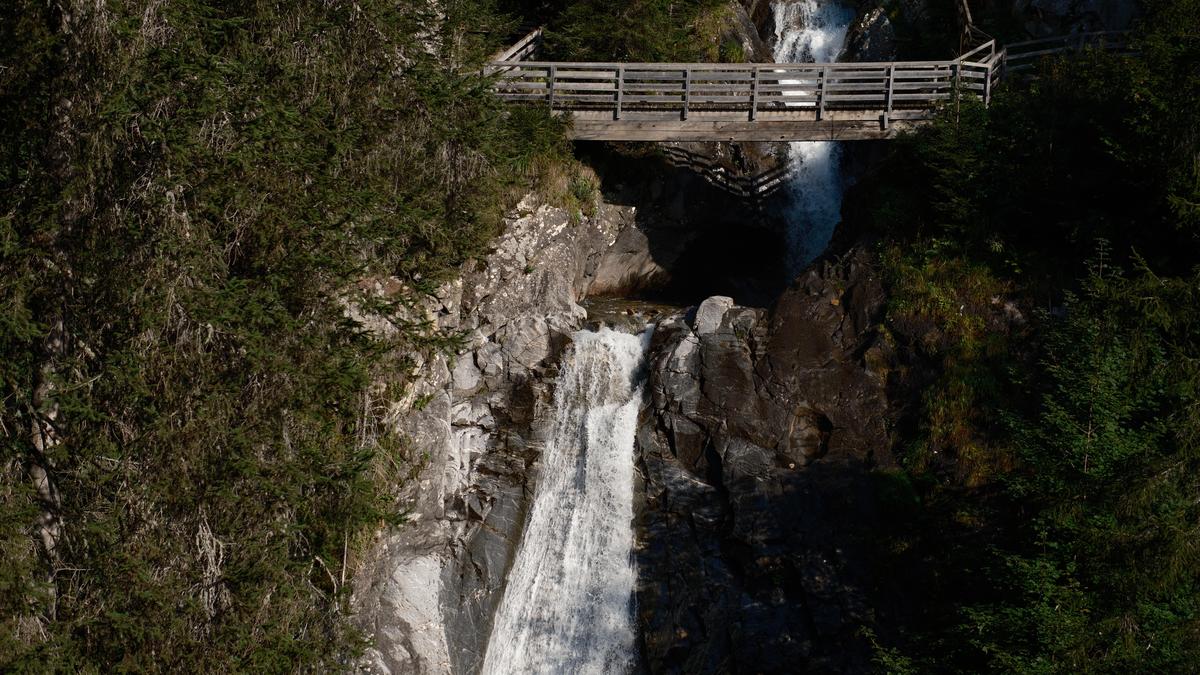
(741, 91)
(763, 91)
(1020, 56)
(526, 47)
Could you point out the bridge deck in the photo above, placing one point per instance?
(761, 102)
(725, 126)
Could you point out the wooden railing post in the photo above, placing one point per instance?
(887, 108)
(987, 83)
(620, 91)
(687, 91)
(821, 85)
(550, 86)
(754, 95)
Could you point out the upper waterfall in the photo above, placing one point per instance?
(568, 604)
(811, 31)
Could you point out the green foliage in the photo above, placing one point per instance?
(1104, 575)
(196, 191)
(1100, 147)
(635, 30)
(1054, 451)
(731, 51)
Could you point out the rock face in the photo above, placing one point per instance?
(428, 590)
(744, 32)
(1044, 18)
(689, 239)
(756, 449)
(872, 37)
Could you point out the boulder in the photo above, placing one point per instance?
(710, 313)
(872, 37)
(757, 444)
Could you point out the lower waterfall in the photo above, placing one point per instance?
(811, 31)
(568, 605)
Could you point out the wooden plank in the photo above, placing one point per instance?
(620, 92)
(654, 76)
(810, 79)
(648, 98)
(842, 86)
(523, 97)
(921, 97)
(646, 86)
(1040, 52)
(525, 72)
(834, 97)
(516, 86)
(788, 99)
(987, 88)
(789, 87)
(740, 87)
(922, 74)
(598, 74)
(524, 46)
(667, 130)
(920, 86)
(851, 65)
(754, 96)
(887, 107)
(860, 74)
(821, 93)
(565, 97)
(687, 91)
(987, 47)
(709, 98)
(584, 86)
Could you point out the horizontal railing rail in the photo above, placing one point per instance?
(525, 48)
(749, 187)
(1024, 55)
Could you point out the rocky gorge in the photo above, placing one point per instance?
(772, 396)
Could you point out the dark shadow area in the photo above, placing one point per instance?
(692, 240)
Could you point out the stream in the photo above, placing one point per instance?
(568, 606)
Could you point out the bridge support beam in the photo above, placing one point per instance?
(700, 130)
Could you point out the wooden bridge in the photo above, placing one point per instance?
(763, 101)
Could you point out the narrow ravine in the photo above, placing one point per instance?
(808, 31)
(568, 607)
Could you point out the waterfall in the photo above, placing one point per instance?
(568, 606)
(811, 31)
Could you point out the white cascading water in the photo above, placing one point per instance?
(568, 606)
(811, 31)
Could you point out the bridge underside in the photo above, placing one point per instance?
(636, 125)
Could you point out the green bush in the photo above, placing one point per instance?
(1053, 441)
(193, 192)
(633, 30)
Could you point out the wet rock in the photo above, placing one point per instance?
(1045, 18)
(427, 589)
(629, 266)
(757, 447)
(872, 37)
(744, 32)
(710, 313)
